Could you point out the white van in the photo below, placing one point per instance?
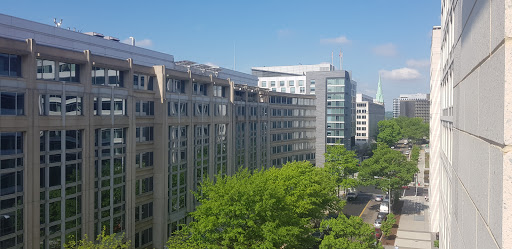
(384, 207)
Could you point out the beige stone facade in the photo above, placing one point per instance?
(98, 140)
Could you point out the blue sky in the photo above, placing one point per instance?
(390, 37)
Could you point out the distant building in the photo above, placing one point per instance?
(289, 79)
(335, 99)
(368, 115)
(413, 106)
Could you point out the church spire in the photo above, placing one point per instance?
(379, 97)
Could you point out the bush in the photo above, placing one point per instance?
(436, 243)
(388, 224)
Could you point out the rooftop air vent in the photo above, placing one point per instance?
(111, 38)
(94, 34)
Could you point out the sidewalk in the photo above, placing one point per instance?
(413, 230)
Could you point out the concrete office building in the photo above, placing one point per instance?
(335, 110)
(412, 106)
(289, 79)
(368, 115)
(336, 97)
(474, 195)
(96, 133)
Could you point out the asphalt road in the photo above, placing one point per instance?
(355, 207)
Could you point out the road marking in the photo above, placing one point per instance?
(364, 208)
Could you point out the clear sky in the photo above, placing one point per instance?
(376, 36)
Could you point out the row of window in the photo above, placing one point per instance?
(13, 103)
(292, 147)
(291, 100)
(361, 134)
(282, 83)
(291, 135)
(292, 90)
(291, 112)
(278, 162)
(292, 124)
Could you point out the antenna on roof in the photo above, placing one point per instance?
(57, 24)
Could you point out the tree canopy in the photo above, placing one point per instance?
(412, 128)
(103, 241)
(389, 132)
(341, 163)
(387, 169)
(348, 233)
(266, 209)
(392, 130)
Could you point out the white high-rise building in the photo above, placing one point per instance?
(471, 179)
(368, 115)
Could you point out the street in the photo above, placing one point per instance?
(355, 207)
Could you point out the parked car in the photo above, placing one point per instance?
(378, 233)
(379, 197)
(406, 187)
(393, 147)
(384, 207)
(407, 152)
(382, 216)
(351, 196)
(377, 223)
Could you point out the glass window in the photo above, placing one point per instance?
(105, 106)
(303, 90)
(8, 103)
(69, 72)
(73, 105)
(263, 84)
(10, 65)
(45, 69)
(150, 83)
(291, 83)
(119, 106)
(105, 76)
(283, 89)
(55, 105)
(272, 83)
(301, 82)
(292, 89)
(98, 76)
(281, 83)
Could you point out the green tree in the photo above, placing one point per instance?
(387, 169)
(389, 132)
(352, 233)
(412, 128)
(266, 209)
(415, 153)
(341, 163)
(388, 224)
(103, 241)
